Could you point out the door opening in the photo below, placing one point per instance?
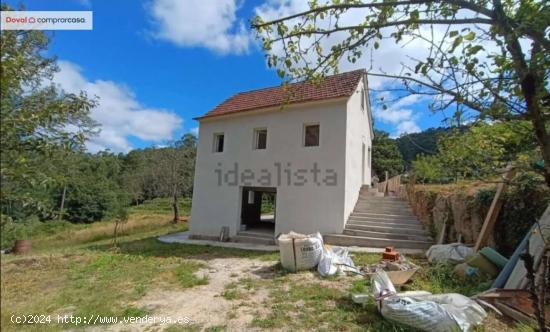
(258, 209)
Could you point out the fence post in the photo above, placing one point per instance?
(494, 209)
(386, 184)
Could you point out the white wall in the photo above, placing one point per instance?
(304, 208)
(358, 133)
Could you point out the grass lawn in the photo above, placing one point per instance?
(78, 272)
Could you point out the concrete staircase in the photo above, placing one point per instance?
(252, 236)
(379, 221)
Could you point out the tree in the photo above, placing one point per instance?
(480, 151)
(485, 149)
(429, 168)
(177, 164)
(94, 192)
(385, 155)
(37, 117)
(489, 58)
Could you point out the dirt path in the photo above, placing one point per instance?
(205, 306)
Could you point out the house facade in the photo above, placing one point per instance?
(305, 148)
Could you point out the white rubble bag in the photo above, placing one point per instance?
(453, 253)
(300, 251)
(424, 311)
(335, 260)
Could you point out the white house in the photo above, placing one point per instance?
(306, 146)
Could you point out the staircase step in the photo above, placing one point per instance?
(384, 203)
(252, 233)
(410, 222)
(381, 210)
(371, 195)
(391, 236)
(371, 215)
(253, 239)
(374, 227)
(361, 241)
(376, 218)
(395, 224)
(384, 214)
(379, 196)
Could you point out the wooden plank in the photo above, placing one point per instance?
(442, 233)
(496, 205)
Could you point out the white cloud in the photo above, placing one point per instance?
(393, 115)
(212, 24)
(407, 127)
(388, 58)
(195, 131)
(118, 112)
(398, 114)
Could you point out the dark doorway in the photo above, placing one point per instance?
(258, 208)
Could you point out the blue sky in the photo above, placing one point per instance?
(157, 64)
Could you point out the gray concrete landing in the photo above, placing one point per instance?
(183, 238)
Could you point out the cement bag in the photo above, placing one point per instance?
(453, 253)
(300, 251)
(424, 311)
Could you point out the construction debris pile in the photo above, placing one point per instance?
(423, 310)
(515, 289)
(304, 252)
(396, 266)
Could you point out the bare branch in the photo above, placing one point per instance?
(464, 4)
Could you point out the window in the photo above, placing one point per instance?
(311, 135)
(260, 139)
(218, 142)
(363, 99)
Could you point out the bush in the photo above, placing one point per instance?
(28, 228)
(429, 169)
(93, 202)
(525, 203)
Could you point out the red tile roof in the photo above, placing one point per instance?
(335, 86)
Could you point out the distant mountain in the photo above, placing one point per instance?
(425, 142)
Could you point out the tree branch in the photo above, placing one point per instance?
(465, 4)
(388, 24)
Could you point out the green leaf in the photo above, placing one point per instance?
(456, 43)
(417, 67)
(470, 36)
(474, 49)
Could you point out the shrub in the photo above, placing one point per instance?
(28, 228)
(525, 202)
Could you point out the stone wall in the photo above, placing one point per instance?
(458, 211)
(462, 208)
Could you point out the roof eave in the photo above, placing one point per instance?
(270, 108)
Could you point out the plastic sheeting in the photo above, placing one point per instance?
(453, 253)
(335, 260)
(424, 311)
